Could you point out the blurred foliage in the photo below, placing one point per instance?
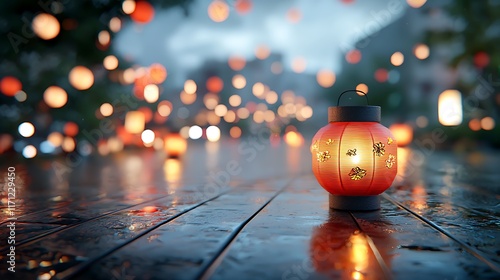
(39, 63)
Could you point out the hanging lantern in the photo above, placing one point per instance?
(354, 157)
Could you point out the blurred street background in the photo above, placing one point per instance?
(97, 77)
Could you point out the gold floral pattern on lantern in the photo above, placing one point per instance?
(323, 156)
(390, 161)
(389, 140)
(351, 152)
(379, 149)
(357, 173)
(315, 146)
(329, 141)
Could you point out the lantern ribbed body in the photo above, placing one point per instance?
(354, 158)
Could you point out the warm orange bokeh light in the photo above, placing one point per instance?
(175, 145)
(243, 6)
(402, 132)
(55, 97)
(143, 12)
(262, 52)
(354, 158)
(81, 78)
(416, 3)
(187, 98)
(71, 129)
(325, 78)
(235, 132)
(110, 62)
(190, 86)
(239, 81)
(397, 59)
(135, 122)
(353, 56)
(294, 139)
(421, 51)
(157, 73)
(218, 11)
(236, 62)
(46, 26)
(363, 88)
(294, 15)
(299, 65)
(381, 75)
(215, 84)
(10, 85)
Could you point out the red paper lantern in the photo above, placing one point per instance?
(354, 157)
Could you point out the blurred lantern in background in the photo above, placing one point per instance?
(403, 133)
(450, 108)
(175, 145)
(135, 122)
(354, 157)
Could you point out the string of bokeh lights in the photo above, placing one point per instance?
(268, 107)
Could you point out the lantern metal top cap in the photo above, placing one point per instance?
(354, 113)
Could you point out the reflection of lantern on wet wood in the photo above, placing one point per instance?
(354, 157)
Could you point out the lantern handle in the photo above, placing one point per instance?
(355, 90)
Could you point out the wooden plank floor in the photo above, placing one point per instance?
(226, 213)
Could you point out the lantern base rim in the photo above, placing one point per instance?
(355, 203)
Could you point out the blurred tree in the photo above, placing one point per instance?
(84, 38)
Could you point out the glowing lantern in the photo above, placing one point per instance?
(218, 11)
(450, 107)
(157, 73)
(135, 122)
(55, 97)
(175, 145)
(81, 78)
(403, 133)
(46, 26)
(354, 157)
(143, 12)
(10, 85)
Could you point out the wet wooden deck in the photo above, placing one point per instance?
(255, 213)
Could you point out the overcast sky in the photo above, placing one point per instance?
(183, 43)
